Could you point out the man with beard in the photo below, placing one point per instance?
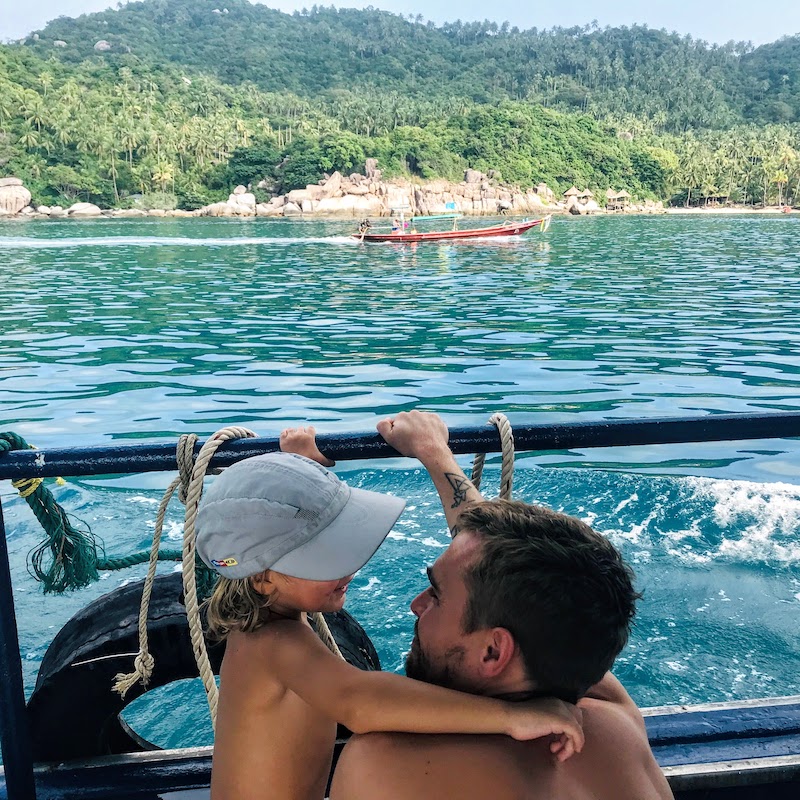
(525, 602)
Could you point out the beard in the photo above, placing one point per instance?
(421, 667)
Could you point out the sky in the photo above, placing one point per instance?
(740, 20)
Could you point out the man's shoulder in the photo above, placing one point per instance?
(407, 765)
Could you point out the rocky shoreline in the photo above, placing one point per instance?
(354, 196)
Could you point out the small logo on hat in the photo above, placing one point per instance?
(226, 562)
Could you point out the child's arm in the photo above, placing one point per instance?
(423, 435)
(382, 701)
(303, 442)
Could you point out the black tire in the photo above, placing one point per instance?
(73, 712)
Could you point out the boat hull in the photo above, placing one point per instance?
(506, 229)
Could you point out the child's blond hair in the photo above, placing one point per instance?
(235, 605)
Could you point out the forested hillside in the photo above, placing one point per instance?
(183, 98)
(676, 81)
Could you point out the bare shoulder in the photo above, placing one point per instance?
(610, 696)
(263, 651)
(404, 766)
(285, 633)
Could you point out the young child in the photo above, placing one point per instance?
(287, 535)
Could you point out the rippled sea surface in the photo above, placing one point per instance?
(143, 330)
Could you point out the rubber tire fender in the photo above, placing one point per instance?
(73, 711)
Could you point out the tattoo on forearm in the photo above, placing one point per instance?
(461, 486)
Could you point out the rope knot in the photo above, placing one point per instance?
(143, 666)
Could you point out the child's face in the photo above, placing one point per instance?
(297, 594)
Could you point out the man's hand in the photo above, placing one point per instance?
(423, 435)
(302, 441)
(416, 434)
(548, 716)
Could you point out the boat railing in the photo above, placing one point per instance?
(149, 775)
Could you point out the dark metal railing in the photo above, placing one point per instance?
(19, 782)
(115, 459)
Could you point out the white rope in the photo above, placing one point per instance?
(193, 495)
(144, 662)
(500, 421)
(324, 633)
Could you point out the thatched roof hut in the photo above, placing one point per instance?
(572, 192)
(617, 201)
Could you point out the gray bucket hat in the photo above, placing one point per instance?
(285, 512)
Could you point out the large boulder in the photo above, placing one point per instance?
(351, 205)
(473, 176)
(217, 210)
(245, 198)
(129, 213)
(268, 210)
(84, 210)
(102, 46)
(292, 210)
(333, 185)
(241, 209)
(13, 196)
(297, 196)
(545, 192)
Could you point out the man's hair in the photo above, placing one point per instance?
(560, 588)
(234, 605)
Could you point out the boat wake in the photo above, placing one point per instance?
(26, 243)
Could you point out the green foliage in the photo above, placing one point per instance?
(151, 200)
(249, 165)
(302, 164)
(177, 107)
(676, 81)
(342, 151)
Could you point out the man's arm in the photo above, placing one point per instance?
(423, 435)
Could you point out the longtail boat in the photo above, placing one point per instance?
(405, 231)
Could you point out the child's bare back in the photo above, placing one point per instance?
(270, 742)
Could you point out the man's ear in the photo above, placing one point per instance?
(499, 649)
(262, 583)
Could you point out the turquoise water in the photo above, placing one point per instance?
(143, 330)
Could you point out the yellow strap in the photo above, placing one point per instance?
(27, 486)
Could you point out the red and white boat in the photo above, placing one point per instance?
(405, 232)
